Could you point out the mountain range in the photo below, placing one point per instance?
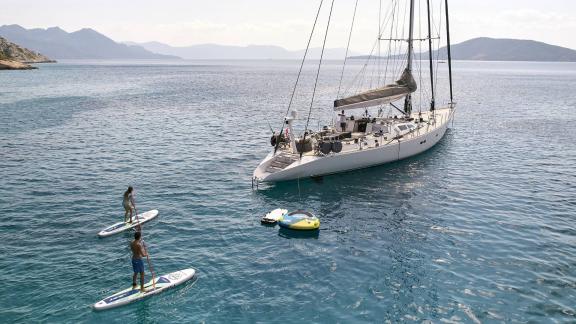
(82, 44)
(502, 49)
(89, 44)
(228, 52)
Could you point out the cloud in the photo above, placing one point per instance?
(548, 26)
(533, 18)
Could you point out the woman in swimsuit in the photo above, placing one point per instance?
(128, 203)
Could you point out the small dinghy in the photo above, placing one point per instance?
(124, 226)
(300, 220)
(131, 295)
(274, 216)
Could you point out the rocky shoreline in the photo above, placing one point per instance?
(14, 65)
(39, 61)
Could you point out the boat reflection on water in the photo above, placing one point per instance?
(294, 234)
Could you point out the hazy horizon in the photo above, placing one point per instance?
(259, 22)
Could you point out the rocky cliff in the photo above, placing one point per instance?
(15, 52)
(15, 57)
(14, 65)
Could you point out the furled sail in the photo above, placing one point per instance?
(401, 88)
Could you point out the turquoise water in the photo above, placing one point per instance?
(478, 229)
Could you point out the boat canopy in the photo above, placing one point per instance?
(383, 95)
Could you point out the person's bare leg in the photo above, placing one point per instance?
(134, 276)
(131, 209)
(142, 282)
(125, 215)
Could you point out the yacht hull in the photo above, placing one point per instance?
(313, 166)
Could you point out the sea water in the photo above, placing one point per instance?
(478, 229)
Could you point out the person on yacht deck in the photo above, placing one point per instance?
(342, 121)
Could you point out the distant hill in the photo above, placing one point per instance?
(89, 44)
(14, 52)
(15, 57)
(493, 49)
(250, 52)
(83, 44)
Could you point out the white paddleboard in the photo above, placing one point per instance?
(123, 226)
(130, 295)
(274, 216)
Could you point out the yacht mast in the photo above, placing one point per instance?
(449, 53)
(408, 100)
(432, 100)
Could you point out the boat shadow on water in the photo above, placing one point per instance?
(293, 234)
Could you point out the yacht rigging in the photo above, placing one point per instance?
(352, 142)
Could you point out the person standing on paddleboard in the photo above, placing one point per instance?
(138, 252)
(128, 203)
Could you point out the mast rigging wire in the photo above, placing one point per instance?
(299, 73)
(317, 75)
(347, 48)
(379, 39)
(360, 76)
(390, 43)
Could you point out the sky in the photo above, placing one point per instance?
(285, 23)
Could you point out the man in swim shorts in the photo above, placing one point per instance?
(138, 253)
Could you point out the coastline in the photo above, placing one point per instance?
(15, 65)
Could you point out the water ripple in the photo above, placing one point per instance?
(478, 229)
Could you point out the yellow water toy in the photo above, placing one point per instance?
(300, 220)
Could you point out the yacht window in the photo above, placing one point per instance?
(402, 127)
(411, 126)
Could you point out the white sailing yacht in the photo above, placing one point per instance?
(368, 139)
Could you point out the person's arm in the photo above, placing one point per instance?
(132, 200)
(143, 250)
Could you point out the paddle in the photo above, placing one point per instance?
(144, 244)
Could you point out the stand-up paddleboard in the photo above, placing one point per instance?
(130, 295)
(123, 226)
(274, 216)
